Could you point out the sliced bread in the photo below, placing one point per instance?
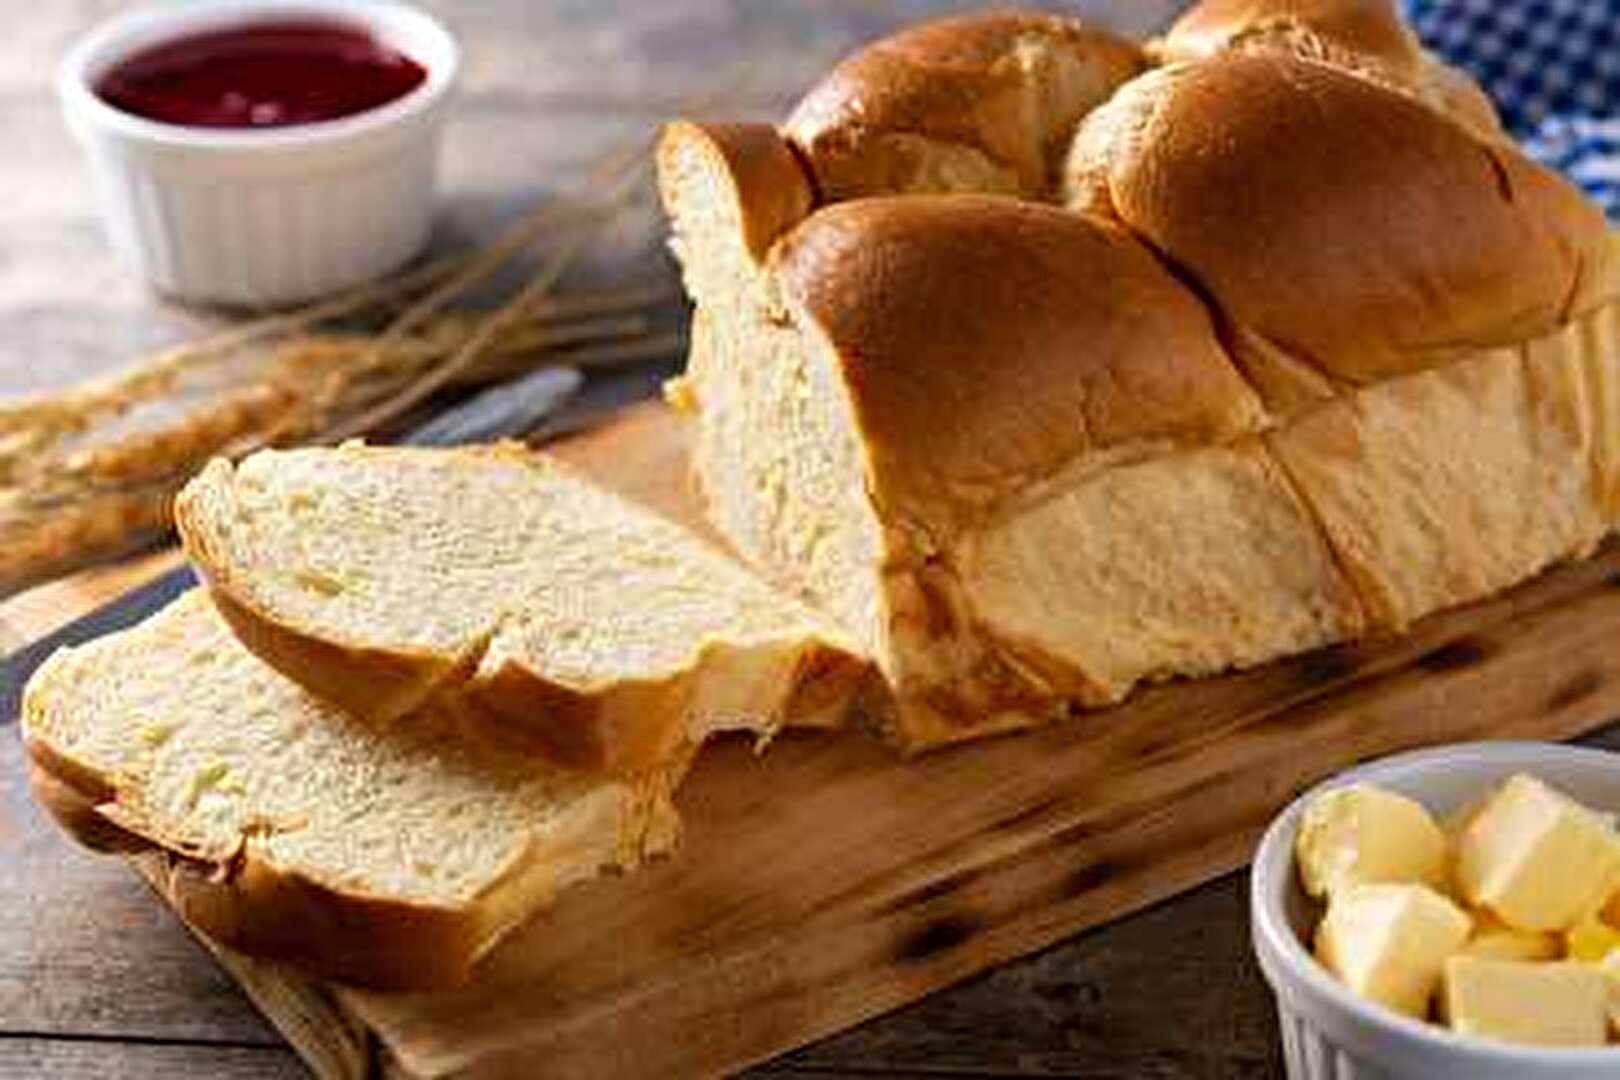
(496, 583)
(391, 858)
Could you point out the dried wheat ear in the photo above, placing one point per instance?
(89, 472)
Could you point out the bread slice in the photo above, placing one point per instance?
(390, 858)
(498, 584)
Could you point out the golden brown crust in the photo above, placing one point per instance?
(1059, 335)
(255, 908)
(638, 726)
(1372, 28)
(631, 730)
(381, 943)
(979, 102)
(826, 682)
(1364, 36)
(248, 904)
(377, 684)
(1258, 174)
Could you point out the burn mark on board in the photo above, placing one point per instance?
(1324, 666)
(1577, 688)
(1091, 877)
(1455, 655)
(937, 936)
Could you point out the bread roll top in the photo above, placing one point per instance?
(975, 103)
(1351, 226)
(1372, 28)
(1059, 334)
(1365, 36)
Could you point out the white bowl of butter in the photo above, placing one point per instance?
(1392, 938)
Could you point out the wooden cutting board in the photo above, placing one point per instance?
(827, 880)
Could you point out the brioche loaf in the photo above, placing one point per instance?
(388, 857)
(1297, 351)
(499, 585)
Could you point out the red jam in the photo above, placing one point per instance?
(262, 74)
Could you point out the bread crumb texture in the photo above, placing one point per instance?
(203, 750)
(484, 559)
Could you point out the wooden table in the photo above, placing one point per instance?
(97, 979)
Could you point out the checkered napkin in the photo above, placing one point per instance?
(1553, 69)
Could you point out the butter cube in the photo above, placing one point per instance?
(1388, 943)
(1559, 1004)
(1536, 858)
(1495, 940)
(1364, 835)
(1590, 940)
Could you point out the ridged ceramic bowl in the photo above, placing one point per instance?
(266, 216)
(1328, 1033)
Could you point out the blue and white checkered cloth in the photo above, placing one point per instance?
(1553, 69)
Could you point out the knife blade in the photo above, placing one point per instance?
(542, 405)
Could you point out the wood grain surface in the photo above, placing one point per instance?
(828, 880)
(97, 980)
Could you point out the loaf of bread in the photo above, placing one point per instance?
(391, 857)
(1294, 348)
(496, 584)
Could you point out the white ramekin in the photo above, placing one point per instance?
(263, 216)
(1330, 1034)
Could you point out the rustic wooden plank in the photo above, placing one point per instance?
(1170, 992)
(81, 1059)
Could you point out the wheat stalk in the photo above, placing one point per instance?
(85, 474)
(75, 485)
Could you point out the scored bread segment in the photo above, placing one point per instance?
(1381, 242)
(1365, 36)
(495, 583)
(390, 857)
(982, 102)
